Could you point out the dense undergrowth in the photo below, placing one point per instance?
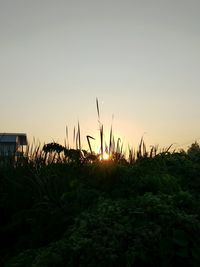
(102, 213)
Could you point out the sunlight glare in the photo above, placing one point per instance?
(105, 156)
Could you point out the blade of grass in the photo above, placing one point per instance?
(139, 152)
(144, 150)
(101, 139)
(67, 137)
(118, 145)
(121, 150)
(88, 140)
(110, 142)
(113, 145)
(167, 150)
(97, 104)
(74, 135)
(79, 136)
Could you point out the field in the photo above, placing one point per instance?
(76, 209)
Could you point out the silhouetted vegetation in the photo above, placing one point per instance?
(66, 207)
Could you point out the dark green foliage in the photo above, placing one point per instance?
(194, 152)
(83, 212)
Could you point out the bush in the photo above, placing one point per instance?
(102, 213)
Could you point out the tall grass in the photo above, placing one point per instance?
(53, 153)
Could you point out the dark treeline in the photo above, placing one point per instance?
(102, 213)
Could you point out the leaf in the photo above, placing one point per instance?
(180, 238)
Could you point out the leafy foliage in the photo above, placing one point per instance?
(85, 212)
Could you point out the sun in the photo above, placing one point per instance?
(105, 156)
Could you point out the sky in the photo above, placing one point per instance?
(140, 58)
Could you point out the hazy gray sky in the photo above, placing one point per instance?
(140, 58)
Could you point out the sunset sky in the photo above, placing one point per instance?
(141, 58)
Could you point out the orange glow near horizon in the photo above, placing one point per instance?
(105, 156)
